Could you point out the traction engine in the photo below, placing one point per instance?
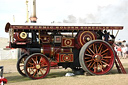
(75, 46)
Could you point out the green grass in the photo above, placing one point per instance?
(16, 77)
(54, 73)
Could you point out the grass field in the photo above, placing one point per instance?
(57, 76)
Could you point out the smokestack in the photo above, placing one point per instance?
(33, 17)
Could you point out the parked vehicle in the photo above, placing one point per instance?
(67, 45)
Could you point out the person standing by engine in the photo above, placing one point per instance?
(124, 51)
(106, 36)
(119, 51)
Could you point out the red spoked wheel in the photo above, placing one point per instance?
(97, 57)
(20, 64)
(37, 66)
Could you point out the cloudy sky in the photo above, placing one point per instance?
(75, 11)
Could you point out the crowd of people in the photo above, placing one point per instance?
(122, 51)
(120, 47)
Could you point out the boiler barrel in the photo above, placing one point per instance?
(49, 51)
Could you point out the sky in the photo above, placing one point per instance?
(67, 11)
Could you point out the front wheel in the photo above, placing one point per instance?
(37, 66)
(97, 57)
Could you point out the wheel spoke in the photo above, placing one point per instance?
(89, 60)
(44, 66)
(96, 49)
(107, 57)
(31, 70)
(101, 68)
(41, 72)
(100, 50)
(105, 60)
(88, 55)
(104, 51)
(99, 47)
(91, 51)
(95, 68)
(41, 60)
(104, 54)
(101, 64)
(89, 64)
(33, 61)
(22, 61)
(31, 67)
(37, 73)
(30, 63)
(34, 73)
(92, 65)
(43, 69)
(21, 65)
(22, 70)
(105, 63)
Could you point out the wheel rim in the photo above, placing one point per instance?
(98, 57)
(37, 66)
(20, 64)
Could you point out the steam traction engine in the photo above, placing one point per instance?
(74, 46)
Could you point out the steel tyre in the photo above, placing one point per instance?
(97, 57)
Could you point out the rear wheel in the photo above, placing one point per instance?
(97, 57)
(20, 64)
(37, 66)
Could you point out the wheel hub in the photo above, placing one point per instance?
(97, 58)
(37, 66)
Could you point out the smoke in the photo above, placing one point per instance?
(90, 18)
(71, 19)
(115, 13)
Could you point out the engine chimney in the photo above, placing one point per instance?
(33, 17)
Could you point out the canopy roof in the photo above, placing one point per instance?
(62, 26)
